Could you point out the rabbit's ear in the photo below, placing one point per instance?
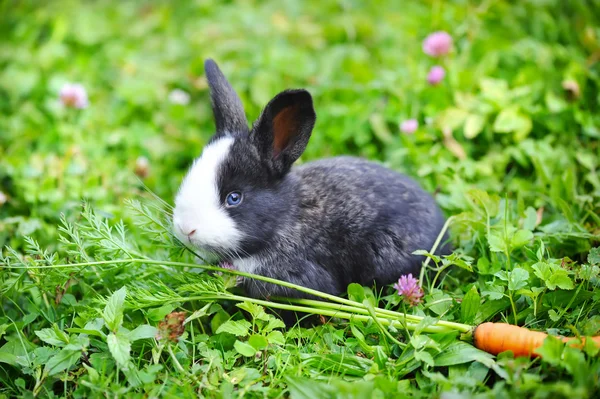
(284, 128)
(226, 104)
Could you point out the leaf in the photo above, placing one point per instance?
(425, 357)
(438, 301)
(591, 348)
(553, 315)
(591, 325)
(521, 238)
(244, 348)
(87, 332)
(53, 336)
(276, 337)
(113, 312)
(573, 360)
(553, 276)
(142, 332)
(461, 352)
(418, 341)
(258, 342)
(273, 323)
(8, 358)
(256, 311)
(95, 325)
(157, 314)
(551, 350)
(495, 91)
(594, 256)
(455, 259)
(119, 347)
(198, 313)
(356, 292)
(560, 279)
(496, 240)
(93, 375)
(473, 126)
(512, 120)
(239, 328)
(80, 343)
(452, 118)
(62, 361)
(530, 221)
(517, 279)
(469, 306)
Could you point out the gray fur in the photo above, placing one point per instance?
(350, 221)
(322, 225)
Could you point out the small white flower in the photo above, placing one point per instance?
(178, 96)
(73, 95)
(3, 198)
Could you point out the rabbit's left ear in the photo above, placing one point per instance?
(284, 128)
(227, 106)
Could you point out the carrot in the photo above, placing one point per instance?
(495, 338)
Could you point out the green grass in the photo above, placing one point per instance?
(511, 154)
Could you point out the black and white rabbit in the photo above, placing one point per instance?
(322, 225)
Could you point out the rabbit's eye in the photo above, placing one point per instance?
(233, 199)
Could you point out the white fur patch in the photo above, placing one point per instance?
(248, 265)
(198, 206)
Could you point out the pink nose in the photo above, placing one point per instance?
(191, 233)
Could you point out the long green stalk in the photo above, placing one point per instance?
(325, 312)
(384, 312)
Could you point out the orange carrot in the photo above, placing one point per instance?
(495, 338)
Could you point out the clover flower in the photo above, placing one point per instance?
(172, 327)
(436, 75)
(409, 289)
(73, 95)
(409, 126)
(437, 44)
(179, 97)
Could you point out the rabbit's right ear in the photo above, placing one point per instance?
(282, 131)
(226, 104)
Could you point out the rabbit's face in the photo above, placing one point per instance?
(237, 195)
(229, 205)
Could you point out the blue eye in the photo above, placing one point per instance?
(234, 199)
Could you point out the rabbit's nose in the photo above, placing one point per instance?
(185, 230)
(191, 233)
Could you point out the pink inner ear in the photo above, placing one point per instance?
(284, 128)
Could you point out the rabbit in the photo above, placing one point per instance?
(322, 225)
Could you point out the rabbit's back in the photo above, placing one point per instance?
(363, 218)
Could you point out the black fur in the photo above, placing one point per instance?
(325, 224)
(226, 104)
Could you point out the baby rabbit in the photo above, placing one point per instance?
(322, 225)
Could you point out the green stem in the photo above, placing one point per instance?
(325, 312)
(440, 270)
(385, 332)
(434, 248)
(514, 308)
(355, 309)
(175, 361)
(383, 312)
